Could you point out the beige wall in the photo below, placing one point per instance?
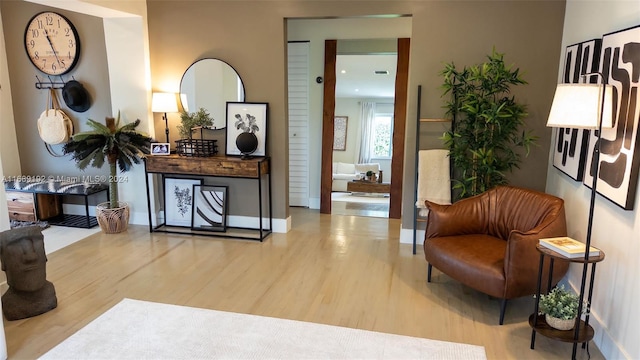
(250, 35)
(614, 313)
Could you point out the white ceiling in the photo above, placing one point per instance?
(359, 79)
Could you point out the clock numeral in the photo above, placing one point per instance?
(71, 44)
(69, 55)
(67, 32)
(35, 33)
(44, 63)
(32, 43)
(40, 24)
(49, 20)
(62, 64)
(53, 66)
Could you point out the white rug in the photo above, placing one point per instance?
(135, 329)
(362, 198)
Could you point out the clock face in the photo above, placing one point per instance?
(52, 43)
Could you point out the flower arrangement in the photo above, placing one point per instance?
(560, 303)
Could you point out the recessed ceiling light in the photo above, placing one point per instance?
(357, 90)
(381, 72)
(343, 71)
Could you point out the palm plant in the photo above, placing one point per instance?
(486, 124)
(121, 147)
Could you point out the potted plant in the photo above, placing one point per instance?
(371, 176)
(188, 146)
(120, 147)
(560, 308)
(486, 127)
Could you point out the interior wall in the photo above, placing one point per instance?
(29, 102)
(8, 139)
(614, 313)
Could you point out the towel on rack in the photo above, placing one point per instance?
(434, 180)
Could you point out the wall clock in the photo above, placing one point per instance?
(52, 43)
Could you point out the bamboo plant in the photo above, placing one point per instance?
(487, 122)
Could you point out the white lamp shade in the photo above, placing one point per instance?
(578, 106)
(164, 102)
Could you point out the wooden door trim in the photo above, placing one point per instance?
(328, 112)
(399, 128)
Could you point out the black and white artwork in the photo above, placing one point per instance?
(250, 118)
(619, 158)
(209, 208)
(178, 200)
(570, 150)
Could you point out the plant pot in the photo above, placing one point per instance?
(559, 324)
(113, 220)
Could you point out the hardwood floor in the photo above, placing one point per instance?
(340, 270)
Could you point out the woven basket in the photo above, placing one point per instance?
(196, 147)
(559, 324)
(113, 221)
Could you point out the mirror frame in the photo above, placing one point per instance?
(244, 91)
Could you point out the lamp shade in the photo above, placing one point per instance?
(578, 106)
(164, 102)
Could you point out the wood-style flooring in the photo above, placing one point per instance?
(339, 270)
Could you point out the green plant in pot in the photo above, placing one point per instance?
(188, 121)
(486, 130)
(120, 146)
(560, 308)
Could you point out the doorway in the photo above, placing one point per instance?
(399, 126)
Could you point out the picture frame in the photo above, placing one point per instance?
(178, 200)
(340, 133)
(619, 154)
(209, 208)
(570, 145)
(160, 149)
(246, 117)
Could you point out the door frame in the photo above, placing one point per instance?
(399, 126)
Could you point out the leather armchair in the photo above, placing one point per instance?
(488, 242)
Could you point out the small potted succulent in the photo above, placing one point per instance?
(560, 308)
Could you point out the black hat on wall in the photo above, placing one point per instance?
(76, 96)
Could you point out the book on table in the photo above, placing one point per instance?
(568, 247)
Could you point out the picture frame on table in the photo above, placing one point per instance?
(178, 200)
(160, 149)
(209, 208)
(340, 133)
(245, 118)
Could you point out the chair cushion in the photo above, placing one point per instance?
(345, 168)
(363, 168)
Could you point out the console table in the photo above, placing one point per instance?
(256, 168)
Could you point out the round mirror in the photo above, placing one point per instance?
(209, 84)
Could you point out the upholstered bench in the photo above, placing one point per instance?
(33, 198)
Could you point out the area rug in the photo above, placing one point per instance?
(135, 329)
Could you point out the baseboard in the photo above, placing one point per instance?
(606, 343)
(406, 236)
(314, 203)
(279, 225)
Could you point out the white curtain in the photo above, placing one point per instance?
(367, 115)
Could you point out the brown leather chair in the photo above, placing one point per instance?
(488, 242)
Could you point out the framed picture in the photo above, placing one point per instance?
(570, 150)
(244, 118)
(340, 133)
(160, 149)
(619, 157)
(178, 200)
(209, 208)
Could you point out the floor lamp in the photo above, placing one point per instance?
(584, 106)
(164, 103)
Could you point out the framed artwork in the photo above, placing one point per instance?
(570, 150)
(160, 148)
(619, 158)
(178, 200)
(340, 133)
(209, 208)
(242, 118)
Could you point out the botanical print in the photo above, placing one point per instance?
(178, 200)
(250, 118)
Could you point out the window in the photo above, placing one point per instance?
(381, 132)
